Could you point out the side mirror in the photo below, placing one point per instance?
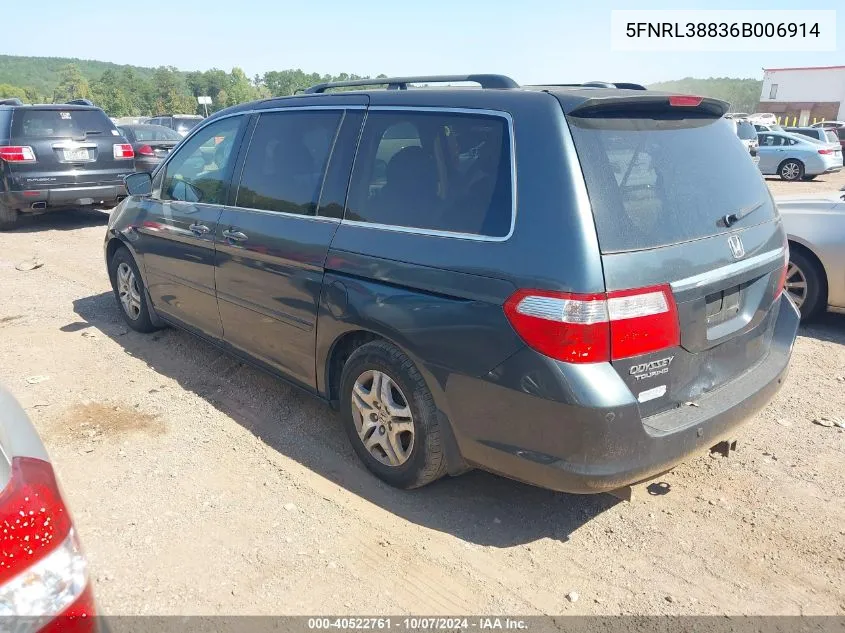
(140, 184)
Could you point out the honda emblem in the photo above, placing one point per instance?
(737, 248)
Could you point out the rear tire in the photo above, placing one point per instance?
(791, 170)
(129, 291)
(8, 218)
(390, 416)
(805, 283)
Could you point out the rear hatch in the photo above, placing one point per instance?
(678, 206)
(73, 147)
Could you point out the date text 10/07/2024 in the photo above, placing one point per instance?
(418, 624)
(722, 29)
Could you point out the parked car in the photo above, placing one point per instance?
(815, 226)
(737, 115)
(838, 128)
(748, 135)
(796, 157)
(181, 123)
(765, 118)
(43, 572)
(832, 124)
(152, 144)
(760, 127)
(824, 135)
(495, 278)
(54, 157)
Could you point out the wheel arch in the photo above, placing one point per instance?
(345, 344)
(800, 246)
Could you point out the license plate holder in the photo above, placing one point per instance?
(77, 155)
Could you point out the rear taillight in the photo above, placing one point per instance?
(123, 151)
(825, 151)
(146, 150)
(592, 328)
(43, 572)
(684, 100)
(17, 154)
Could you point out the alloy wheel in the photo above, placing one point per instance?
(796, 284)
(383, 418)
(127, 290)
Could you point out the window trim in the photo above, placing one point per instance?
(433, 232)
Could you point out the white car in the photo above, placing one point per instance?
(763, 118)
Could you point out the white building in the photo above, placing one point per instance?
(801, 96)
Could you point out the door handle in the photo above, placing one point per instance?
(235, 236)
(199, 229)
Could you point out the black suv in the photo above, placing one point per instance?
(59, 156)
(573, 286)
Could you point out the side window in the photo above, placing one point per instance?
(286, 161)
(440, 171)
(199, 171)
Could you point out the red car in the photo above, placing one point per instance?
(44, 580)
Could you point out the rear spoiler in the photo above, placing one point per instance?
(649, 103)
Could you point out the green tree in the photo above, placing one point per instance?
(170, 94)
(108, 93)
(8, 91)
(240, 90)
(72, 85)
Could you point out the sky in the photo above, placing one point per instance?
(533, 41)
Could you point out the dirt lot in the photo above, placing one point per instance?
(202, 486)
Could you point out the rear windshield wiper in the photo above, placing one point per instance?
(736, 216)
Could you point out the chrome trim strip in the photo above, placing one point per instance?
(76, 145)
(456, 235)
(712, 276)
(319, 218)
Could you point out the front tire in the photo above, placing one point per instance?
(8, 218)
(129, 291)
(791, 170)
(390, 416)
(805, 283)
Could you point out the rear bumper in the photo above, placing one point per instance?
(64, 196)
(577, 428)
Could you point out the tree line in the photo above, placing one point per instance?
(127, 92)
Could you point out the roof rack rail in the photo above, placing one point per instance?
(499, 82)
(620, 85)
(82, 102)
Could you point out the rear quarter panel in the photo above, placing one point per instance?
(820, 227)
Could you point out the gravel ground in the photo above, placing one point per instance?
(202, 486)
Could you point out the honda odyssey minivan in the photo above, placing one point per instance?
(572, 286)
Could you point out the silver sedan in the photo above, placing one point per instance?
(796, 157)
(815, 226)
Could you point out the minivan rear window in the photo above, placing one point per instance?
(659, 181)
(28, 123)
